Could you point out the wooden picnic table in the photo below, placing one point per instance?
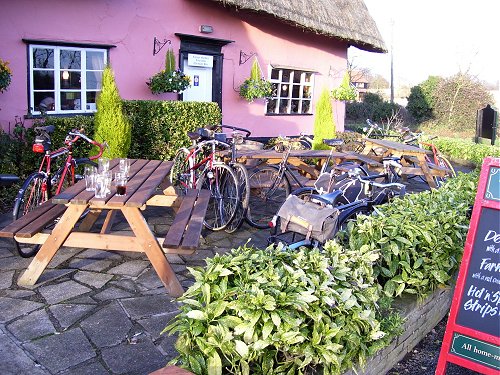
(297, 158)
(147, 186)
(410, 154)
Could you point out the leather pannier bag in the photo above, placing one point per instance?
(310, 219)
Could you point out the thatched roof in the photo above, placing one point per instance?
(348, 20)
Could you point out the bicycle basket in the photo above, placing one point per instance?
(309, 219)
(41, 144)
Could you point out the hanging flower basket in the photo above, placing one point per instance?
(256, 87)
(169, 79)
(5, 75)
(253, 89)
(174, 81)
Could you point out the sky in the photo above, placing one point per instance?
(434, 37)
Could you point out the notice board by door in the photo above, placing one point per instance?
(472, 337)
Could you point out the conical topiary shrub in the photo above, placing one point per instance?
(111, 124)
(324, 126)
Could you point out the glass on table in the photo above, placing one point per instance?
(89, 175)
(121, 183)
(125, 166)
(103, 164)
(103, 184)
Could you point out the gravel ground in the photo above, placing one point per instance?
(422, 360)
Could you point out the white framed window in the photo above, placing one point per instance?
(65, 79)
(292, 92)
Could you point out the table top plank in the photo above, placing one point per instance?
(396, 146)
(147, 189)
(303, 154)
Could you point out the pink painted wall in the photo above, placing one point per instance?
(131, 25)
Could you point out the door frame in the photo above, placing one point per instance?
(205, 46)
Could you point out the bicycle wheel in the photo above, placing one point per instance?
(243, 183)
(267, 193)
(222, 183)
(29, 197)
(179, 174)
(445, 163)
(350, 215)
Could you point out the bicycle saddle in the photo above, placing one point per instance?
(329, 198)
(333, 142)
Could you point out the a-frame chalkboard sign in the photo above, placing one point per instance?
(472, 337)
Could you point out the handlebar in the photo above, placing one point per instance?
(77, 134)
(236, 128)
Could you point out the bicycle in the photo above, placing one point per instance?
(270, 185)
(311, 228)
(40, 186)
(200, 167)
(437, 159)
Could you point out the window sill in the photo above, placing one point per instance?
(289, 114)
(38, 116)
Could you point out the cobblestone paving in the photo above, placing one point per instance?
(95, 312)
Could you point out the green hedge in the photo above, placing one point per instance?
(466, 150)
(419, 238)
(159, 127)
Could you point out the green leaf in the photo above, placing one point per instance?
(267, 329)
(214, 364)
(241, 348)
(195, 365)
(197, 314)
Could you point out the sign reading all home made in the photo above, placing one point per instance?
(472, 337)
(203, 61)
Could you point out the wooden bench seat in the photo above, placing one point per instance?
(34, 221)
(363, 159)
(183, 237)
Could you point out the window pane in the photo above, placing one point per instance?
(284, 90)
(94, 80)
(70, 100)
(275, 74)
(306, 92)
(271, 105)
(70, 80)
(284, 106)
(295, 106)
(307, 77)
(295, 91)
(70, 59)
(43, 58)
(44, 101)
(286, 76)
(306, 106)
(43, 80)
(91, 99)
(296, 76)
(95, 60)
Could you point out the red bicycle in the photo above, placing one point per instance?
(40, 186)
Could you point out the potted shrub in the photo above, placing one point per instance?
(346, 91)
(5, 75)
(256, 86)
(169, 79)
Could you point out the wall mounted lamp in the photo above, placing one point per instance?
(158, 45)
(206, 29)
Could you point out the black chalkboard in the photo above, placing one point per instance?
(479, 307)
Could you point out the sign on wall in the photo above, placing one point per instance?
(204, 61)
(472, 337)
